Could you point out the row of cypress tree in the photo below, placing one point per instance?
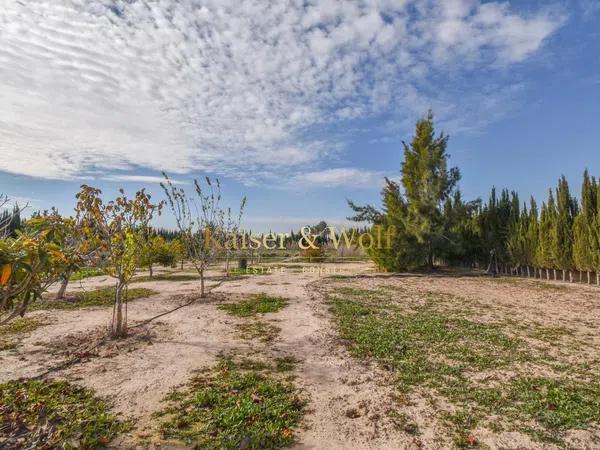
(434, 225)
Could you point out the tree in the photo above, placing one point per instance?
(118, 229)
(427, 183)
(584, 243)
(204, 226)
(545, 254)
(417, 217)
(29, 264)
(566, 210)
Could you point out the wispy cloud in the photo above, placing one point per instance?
(347, 177)
(145, 179)
(229, 86)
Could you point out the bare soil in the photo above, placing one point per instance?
(349, 400)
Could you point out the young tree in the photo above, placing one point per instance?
(204, 226)
(118, 229)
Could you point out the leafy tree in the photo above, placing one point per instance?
(118, 229)
(29, 264)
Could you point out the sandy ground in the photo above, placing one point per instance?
(348, 400)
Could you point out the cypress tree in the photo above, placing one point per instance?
(583, 239)
(544, 252)
(562, 245)
(532, 235)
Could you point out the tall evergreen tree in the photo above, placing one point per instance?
(583, 239)
(427, 184)
(545, 252)
(562, 246)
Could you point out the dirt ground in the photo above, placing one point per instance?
(348, 399)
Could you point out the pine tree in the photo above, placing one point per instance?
(427, 183)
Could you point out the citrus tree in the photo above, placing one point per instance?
(118, 230)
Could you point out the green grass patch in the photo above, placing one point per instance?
(54, 414)
(257, 304)
(14, 329)
(98, 297)
(435, 347)
(86, 272)
(166, 277)
(229, 407)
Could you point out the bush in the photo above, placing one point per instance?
(243, 263)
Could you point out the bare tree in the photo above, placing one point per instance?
(206, 228)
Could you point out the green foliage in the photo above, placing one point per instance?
(234, 406)
(416, 219)
(257, 304)
(54, 414)
(31, 262)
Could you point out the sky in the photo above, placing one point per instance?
(298, 105)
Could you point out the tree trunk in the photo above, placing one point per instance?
(202, 294)
(63, 286)
(548, 274)
(571, 276)
(554, 270)
(564, 273)
(182, 264)
(528, 272)
(589, 278)
(119, 325)
(150, 269)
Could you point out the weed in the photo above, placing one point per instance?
(257, 329)
(54, 414)
(15, 328)
(231, 408)
(98, 297)
(257, 304)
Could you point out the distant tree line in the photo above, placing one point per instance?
(434, 226)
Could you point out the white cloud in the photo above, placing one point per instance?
(347, 177)
(146, 179)
(228, 86)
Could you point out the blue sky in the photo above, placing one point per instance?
(297, 106)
